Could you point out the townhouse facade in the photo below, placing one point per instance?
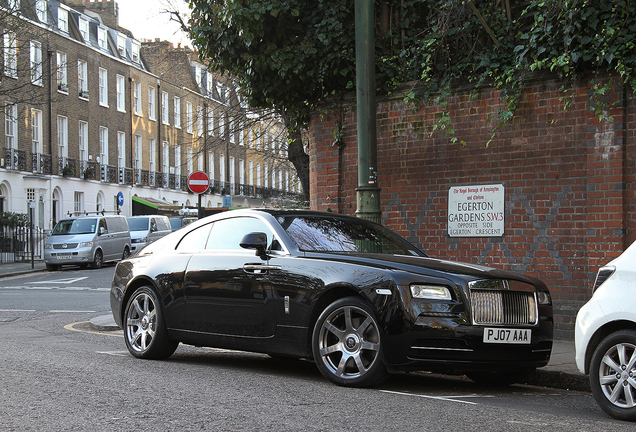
(92, 115)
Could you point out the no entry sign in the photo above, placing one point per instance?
(198, 182)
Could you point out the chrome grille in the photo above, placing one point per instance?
(68, 246)
(504, 307)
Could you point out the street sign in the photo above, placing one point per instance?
(120, 199)
(198, 182)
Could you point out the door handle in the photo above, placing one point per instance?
(259, 268)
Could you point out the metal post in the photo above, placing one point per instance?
(368, 190)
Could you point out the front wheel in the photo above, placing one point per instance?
(98, 261)
(126, 253)
(613, 375)
(145, 330)
(347, 345)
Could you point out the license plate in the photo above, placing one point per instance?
(63, 257)
(507, 336)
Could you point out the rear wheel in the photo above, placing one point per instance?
(613, 375)
(145, 330)
(347, 345)
(98, 261)
(126, 253)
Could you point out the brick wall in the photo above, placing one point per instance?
(568, 178)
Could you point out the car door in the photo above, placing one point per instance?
(226, 287)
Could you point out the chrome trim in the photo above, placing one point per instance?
(442, 349)
(381, 291)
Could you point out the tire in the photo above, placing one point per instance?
(347, 344)
(98, 262)
(145, 330)
(613, 375)
(498, 378)
(52, 267)
(126, 253)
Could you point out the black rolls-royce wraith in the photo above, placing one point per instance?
(354, 296)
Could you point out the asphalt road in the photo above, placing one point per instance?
(58, 374)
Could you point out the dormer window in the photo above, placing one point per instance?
(136, 47)
(40, 9)
(62, 19)
(83, 28)
(102, 38)
(121, 45)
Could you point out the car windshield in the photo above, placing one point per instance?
(138, 224)
(75, 226)
(326, 234)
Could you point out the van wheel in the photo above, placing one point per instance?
(126, 253)
(99, 259)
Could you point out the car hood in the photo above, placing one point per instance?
(71, 238)
(425, 266)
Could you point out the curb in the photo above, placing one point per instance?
(103, 323)
(559, 380)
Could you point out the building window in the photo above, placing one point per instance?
(62, 83)
(40, 10)
(199, 121)
(222, 126)
(231, 131)
(211, 122)
(200, 161)
(36, 129)
(211, 165)
(102, 38)
(121, 99)
(177, 160)
(83, 28)
(166, 160)
(258, 174)
(78, 202)
(83, 141)
(189, 118)
(189, 163)
(14, 5)
(250, 173)
(103, 87)
(62, 19)
(11, 126)
(152, 155)
(36, 63)
(121, 45)
(177, 112)
(151, 103)
(137, 97)
(103, 146)
(241, 136)
(62, 138)
(82, 79)
(121, 149)
(138, 150)
(136, 47)
(10, 55)
(164, 108)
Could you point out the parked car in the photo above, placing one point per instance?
(87, 240)
(180, 222)
(605, 337)
(354, 296)
(146, 229)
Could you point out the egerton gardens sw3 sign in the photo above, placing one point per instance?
(476, 211)
(198, 182)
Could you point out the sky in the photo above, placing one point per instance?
(148, 19)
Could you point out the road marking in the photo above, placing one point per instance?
(17, 310)
(71, 311)
(64, 281)
(117, 333)
(444, 398)
(62, 288)
(115, 353)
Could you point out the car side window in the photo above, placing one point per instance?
(228, 233)
(195, 239)
(102, 224)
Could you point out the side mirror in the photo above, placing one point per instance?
(102, 230)
(255, 240)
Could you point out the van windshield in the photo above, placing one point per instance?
(75, 226)
(138, 224)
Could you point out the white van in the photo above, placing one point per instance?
(146, 229)
(87, 240)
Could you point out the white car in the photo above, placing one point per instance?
(605, 337)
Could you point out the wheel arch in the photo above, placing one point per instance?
(600, 334)
(334, 293)
(130, 290)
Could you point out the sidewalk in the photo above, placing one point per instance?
(561, 372)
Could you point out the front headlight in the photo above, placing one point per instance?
(430, 292)
(48, 246)
(543, 297)
(140, 240)
(86, 244)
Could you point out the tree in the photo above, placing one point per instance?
(294, 55)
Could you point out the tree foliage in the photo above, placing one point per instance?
(292, 55)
